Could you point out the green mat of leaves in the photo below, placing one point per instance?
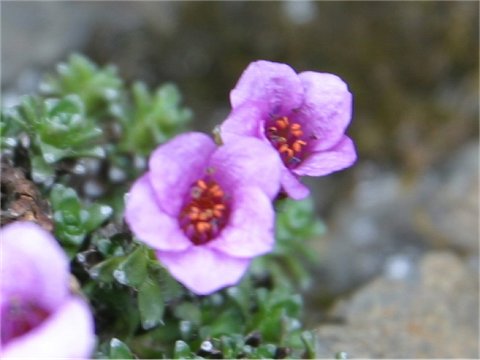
(83, 138)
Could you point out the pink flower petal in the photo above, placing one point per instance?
(275, 85)
(34, 265)
(292, 186)
(250, 230)
(339, 157)
(247, 161)
(246, 120)
(68, 333)
(327, 109)
(203, 270)
(149, 222)
(175, 165)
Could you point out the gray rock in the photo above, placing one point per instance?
(391, 219)
(432, 313)
(449, 212)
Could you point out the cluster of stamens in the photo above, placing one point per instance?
(288, 139)
(206, 212)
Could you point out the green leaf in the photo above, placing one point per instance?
(133, 270)
(74, 220)
(182, 350)
(188, 311)
(42, 172)
(119, 350)
(97, 215)
(99, 88)
(150, 304)
(154, 118)
(10, 128)
(103, 271)
(308, 340)
(266, 351)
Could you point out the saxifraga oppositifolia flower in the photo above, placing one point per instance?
(303, 116)
(206, 210)
(40, 318)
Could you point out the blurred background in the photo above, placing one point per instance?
(402, 224)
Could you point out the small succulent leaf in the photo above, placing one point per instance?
(133, 270)
(42, 172)
(119, 350)
(103, 271)
(182, 350)
(150, 304)
(97, 215)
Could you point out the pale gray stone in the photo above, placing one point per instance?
(433, 313)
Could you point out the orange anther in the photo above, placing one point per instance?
(286, 149)
(295, 126)
(218, 210)
(283, 148)
(216, 191)
(219, 207)
(296, 133)
(202, 184)
(282, 123)
(193, 213)
(297, 145)
(203, 226)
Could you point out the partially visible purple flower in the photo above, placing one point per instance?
(39, 317)
(206, 210)
(303, 116)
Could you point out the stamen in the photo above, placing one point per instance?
(282, 123)
(193, 213)
(202, 185)
(206, 212)
(203, 227)
(297, 145)
(296, 133)
(288, 138)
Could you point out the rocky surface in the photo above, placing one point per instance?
(391, 219)
(432, 312)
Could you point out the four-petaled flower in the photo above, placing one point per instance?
(303, 116)
(40, 318)
(206, 210)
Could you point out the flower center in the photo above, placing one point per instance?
(288, 139)
(205, 213)
(19, 317)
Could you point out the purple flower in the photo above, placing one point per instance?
(206, 210)
(303, 116)
(40, 318)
